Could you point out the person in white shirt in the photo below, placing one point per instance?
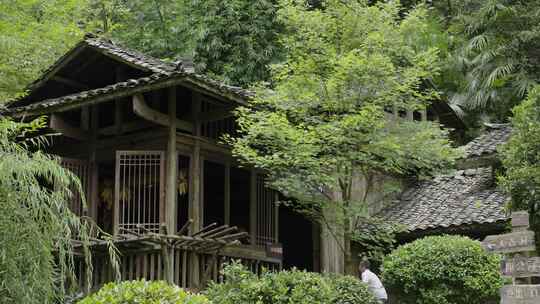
(373, 282)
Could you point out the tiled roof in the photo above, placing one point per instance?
(162, 72)
(463, 198)
(140, 85)
(138, 59)
(487, 143)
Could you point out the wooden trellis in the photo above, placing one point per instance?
(164, 256)
(139, 191)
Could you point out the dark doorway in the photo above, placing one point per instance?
(240, 193)
(296, 235)
(214, 193)
(183, 191)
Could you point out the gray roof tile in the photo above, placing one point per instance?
(487, 143)
(162, 71)
(462, 198)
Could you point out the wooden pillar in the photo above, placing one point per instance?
(195, 180)
(423, 113)
(253, 208)
(94, 173)
(171, 192)
(172, 166)
(410, 115)
(227, 194)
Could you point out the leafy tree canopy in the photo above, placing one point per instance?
(521, 155)
(33, 34)
(494, 61)
(323, 123)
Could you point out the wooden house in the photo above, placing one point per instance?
(143, 137)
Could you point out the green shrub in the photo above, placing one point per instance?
(443, 270)
(287, 287)
(142, 292)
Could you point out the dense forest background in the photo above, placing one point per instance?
(489, 50)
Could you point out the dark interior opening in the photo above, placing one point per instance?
(214, 186)
(296, 236)
(106, 196)
(240, 185)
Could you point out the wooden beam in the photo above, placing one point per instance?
(71, 83)
(58, 124)
(127, 127)
(144, 111)
(172, 166)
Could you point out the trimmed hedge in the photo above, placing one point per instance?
(142, 292)
(443, 270)
(287, 287)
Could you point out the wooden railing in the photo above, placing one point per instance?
(149, 265)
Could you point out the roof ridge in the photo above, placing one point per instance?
(130, 55)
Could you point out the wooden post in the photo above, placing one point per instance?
(171, 192)
(94, 174)
(172, 166)
(253, 208)
(423, 114)
(410, 115)
(195, 176)
(227, 194)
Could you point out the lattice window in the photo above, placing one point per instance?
(139, 190)
(81, 169)
(266, 213)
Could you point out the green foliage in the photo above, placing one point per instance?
(521, 159)
(236, 40)
(142, 292)
(521, 156)
(163, 29)
(33, 34)
(35, 218)
(242, 286)
(376, 238)
(443, 270)
(496, 43)
(323, 123)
